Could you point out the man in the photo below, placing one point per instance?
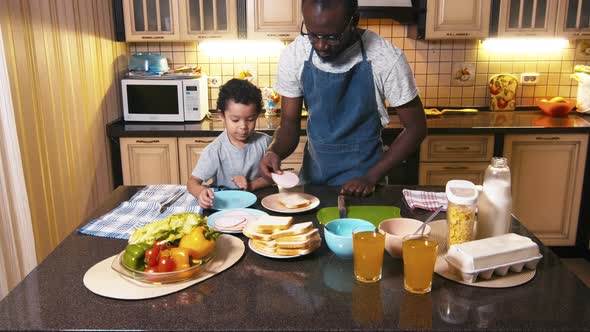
(343, 74)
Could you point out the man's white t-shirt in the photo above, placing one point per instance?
(393, 77)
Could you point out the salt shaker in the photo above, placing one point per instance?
(495, 200)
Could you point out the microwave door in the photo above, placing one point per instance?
(154, 102)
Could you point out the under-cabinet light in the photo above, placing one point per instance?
(242, 47)
(521, 45)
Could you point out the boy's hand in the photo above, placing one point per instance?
(206, 198)
(240, 181)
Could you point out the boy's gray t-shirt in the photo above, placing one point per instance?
(221, 160)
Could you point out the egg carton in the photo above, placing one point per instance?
(501, 270)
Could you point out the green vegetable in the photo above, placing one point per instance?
(133, 256)
(169, 229)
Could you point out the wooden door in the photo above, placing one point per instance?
(189, 152)
(149, 160)
(280, 19)
(457, 19)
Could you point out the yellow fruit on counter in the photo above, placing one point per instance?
(544, 100)
(557, 100)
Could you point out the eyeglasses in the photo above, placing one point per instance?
(332, 39)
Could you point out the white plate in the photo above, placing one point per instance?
(272, 203)
(214, 216)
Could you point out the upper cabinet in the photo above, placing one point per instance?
(279, 19)
(457, 19)
(170, 20)
(526, 18)
(573, 19)
(208, 19)
(151, 20)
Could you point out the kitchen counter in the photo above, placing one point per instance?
(481, 122)
(314, 292)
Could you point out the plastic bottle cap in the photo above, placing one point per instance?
(461, 192)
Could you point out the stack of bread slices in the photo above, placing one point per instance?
(279, 236)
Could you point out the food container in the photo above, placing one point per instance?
(498, 254)
(148, 62)
(556, 106)
(462, 204)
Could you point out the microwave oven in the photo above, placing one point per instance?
(173, 100)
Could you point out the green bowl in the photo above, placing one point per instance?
(374, 214)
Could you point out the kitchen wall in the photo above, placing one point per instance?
(432, 63)
(64, 68)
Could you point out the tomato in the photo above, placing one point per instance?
(200, 241)
(165, 262)
(151, 269)
(151, 256)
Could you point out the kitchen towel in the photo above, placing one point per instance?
(426, 200)
(141, 209)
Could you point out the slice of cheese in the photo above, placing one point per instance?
(490, 252)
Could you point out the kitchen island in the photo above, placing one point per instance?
(314, 292)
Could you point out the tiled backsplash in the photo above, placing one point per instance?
(434, 65)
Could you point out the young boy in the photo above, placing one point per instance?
(232, 159)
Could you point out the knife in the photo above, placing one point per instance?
(174, 198)
(341, 206)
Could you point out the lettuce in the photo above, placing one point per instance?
(170, 229)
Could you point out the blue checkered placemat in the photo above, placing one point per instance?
(141, 209)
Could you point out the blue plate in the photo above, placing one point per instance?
(216, 215)
(233, 199)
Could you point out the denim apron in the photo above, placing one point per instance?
(343, 125)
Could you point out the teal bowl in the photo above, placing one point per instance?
(338, 235)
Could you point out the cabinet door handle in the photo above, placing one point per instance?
(151, 141)
(201, 141)
(454, 168)
(152, 37)
(581, 34)
(457, 148)
(277, 35)
(458, 34)
(552, 138)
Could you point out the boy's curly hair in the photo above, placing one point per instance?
(240, 91)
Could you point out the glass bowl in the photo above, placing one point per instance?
(161, 277)
(555, 106)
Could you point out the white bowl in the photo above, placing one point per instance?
(395, 229)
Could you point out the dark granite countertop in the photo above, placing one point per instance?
(481, 122)
(314, 292)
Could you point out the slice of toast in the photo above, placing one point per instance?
(269, 224)
(255, 235)
(295, 229)
(294, 201)
(313, 245)
(296, 239)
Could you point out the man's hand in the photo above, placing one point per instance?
(271, 162)
(206, 198)
(240, 181)
(360, 186)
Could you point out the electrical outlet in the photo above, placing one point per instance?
(214, 81)
(529, 78)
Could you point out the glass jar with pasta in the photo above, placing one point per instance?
(462, 204)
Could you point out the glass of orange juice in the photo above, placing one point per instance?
(419, 254)
(368, 244)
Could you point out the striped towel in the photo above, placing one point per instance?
(141, 209)
(425, 199)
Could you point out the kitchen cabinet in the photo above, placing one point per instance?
(149, 160)
(547, 173)
(279, 19)
(189, 152)
(296, 158)
(208, 19)
(151, 20)
(156, 160)
(173, 20)
(457, 19)
(526, 18)
(573, 19)
(449, 157)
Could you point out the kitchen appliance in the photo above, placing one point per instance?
(165, 99)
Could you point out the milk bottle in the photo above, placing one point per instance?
(495, 201)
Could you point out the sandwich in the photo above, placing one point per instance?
(294, 201)
(298, 239)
